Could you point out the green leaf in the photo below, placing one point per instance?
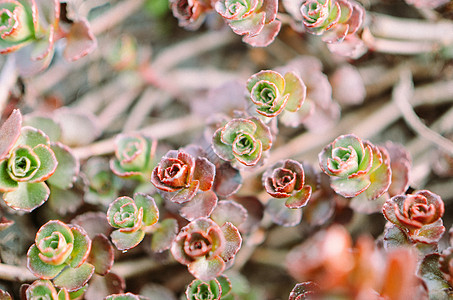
(67, 169)
(150, 210)
(28, 196)
(47, 125)
(164, 235)
(38, 267)
(207, 269)
(73, 279)
(283, 215)
(82, 246)
(394, 237)
(349, 187)
(127, 240)
(48, 163)
(32, 137)
(297, 91)
(7, 184)
(53, 226)
(223, 150)
(64, 201)
(267, 75)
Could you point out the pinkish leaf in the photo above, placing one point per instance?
(204, 172)
(9, 132)
(252, 25)
(164, 235)
(265, 37)
(201, 205)
(429, 234)
(207, 269)
(102, 286)
(299, 199)
(229, 211)
(186, 194)
(233, 241)
(101, 254)
(94, 223)
(227, 180)
(80, 40)
(283, 215)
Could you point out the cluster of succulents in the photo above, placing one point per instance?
(207, 205)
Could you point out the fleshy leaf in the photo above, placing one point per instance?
(47, 125)
(82, 246)
(227, 180)
(7, 184)
(186, 194)
(283, 215)
(220, 148)
(295, 87)
(430, 233)
(28, 196)
(101, 254)
(80, 40)
(48, 163)
(74, 278)
(201, 205)
(102, 286)
(299, 199)
(38, 267)
(204, 172)
(349, 187)
(433, 277)
(229, 211)
(64, 201)
(164, 235)
(67, 169)
(394, 237)
(77, 128)
(127, 240)
(32, 137)
(150, 210)
(207, 269)
(233, 241)
(9, 132)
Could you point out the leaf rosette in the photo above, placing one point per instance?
(272, 93)
(255, 19)
(60, 252)
(243, 140)
(134, 156)
(184, 175)
(214, 289)
(23, 171)
(418, 215)
(356, 167)
(44, 289)
(131, 217)
(205, 247)
(286, 179)
(17, 27)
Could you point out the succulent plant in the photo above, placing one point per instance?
(418, 215)
(44, 289)
(134, 155)
(131, 217)
(205, 247)
(356, 167)
(272, 93)
(183, 175)
(190, 13)
(125, 296)
(255, 19)
(26, 161)
(30, 28)
(214, 289)
(242, 140)
(60, 253)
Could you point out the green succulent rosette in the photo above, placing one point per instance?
(134, 156)
(17, 25)
(215, 289)
(60, 253)
(131, 217)
(24, 169)
(272, 93)
(44, 289)
(356, 167)
(242, 140)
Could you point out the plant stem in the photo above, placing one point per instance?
(15, 273)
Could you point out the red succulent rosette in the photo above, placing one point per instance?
(286, 179)
(418, 214)
(184, 174)
(205, 247)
